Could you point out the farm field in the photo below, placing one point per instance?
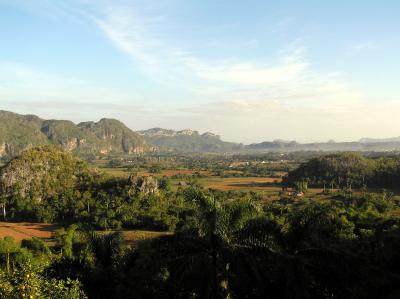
(266, 185)
(241, 183)
(25, 230)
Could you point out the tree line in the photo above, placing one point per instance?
(347, 170)
(342, 248)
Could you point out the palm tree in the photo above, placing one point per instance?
(202, 260)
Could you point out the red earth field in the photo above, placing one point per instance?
(20, 231)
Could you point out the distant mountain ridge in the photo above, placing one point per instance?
(19, 132)
(110, 136)
(379, 140)
(188, 141)
(330, 146)
(192, 141)
(165, 132)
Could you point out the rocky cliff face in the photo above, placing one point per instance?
(8, 150)
(144, 184)
(73, 144)
(115, 136)
(136, 150)
(3, 149)
(154, 132)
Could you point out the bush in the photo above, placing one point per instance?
(36, 245)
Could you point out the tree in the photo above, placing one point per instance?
(155, 169)
(7, 248)
(196, 261)
(3, 206)
(66, 241)
(164, 184)
(31, 283)
(301, 186)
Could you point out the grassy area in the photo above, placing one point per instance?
(116, 172)
(133, 236)
(244, 184)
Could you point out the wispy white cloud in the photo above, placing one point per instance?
(365, 46)
(129, 32)
(290, 75)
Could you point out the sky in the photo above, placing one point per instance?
(250, 71)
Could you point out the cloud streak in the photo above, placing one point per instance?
(291, 75)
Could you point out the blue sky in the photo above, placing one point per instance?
(247, 70)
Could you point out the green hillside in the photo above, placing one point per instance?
(114, 135)
(19, 132)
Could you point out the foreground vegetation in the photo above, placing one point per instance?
(341, 243)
